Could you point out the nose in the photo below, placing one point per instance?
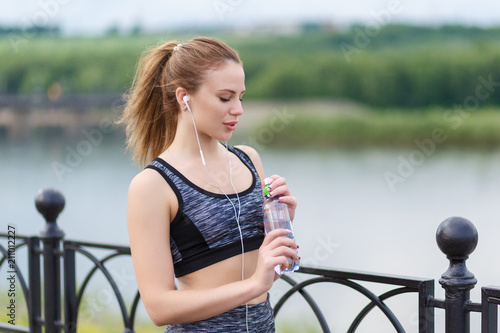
(237, 109)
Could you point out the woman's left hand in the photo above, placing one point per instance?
(280, 190)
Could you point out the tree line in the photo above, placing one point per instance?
(388, 66)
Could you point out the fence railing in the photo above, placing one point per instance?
(62, 300)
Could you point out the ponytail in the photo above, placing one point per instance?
(150, 126)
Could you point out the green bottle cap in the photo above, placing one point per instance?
(267, 191)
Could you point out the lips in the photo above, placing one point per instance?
(231, 125)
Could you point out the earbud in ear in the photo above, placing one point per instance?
(186, 105)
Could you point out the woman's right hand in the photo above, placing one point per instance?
(272, 252)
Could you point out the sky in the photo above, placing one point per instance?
(97, 16)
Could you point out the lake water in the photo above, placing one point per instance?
(349, 216)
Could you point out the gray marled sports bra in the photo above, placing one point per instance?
(204, 230)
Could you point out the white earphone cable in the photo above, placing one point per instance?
(239, 228)
(237, 215)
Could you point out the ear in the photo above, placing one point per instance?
(180, 92)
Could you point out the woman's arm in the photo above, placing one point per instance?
(149, 212)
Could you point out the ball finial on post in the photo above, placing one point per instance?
(457, 238)
(50, 203)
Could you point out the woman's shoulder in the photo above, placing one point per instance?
(254, 157)
(148, 182)
(251, 152)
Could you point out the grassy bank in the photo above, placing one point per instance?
(479, 128)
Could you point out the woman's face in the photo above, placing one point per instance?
(216, 104)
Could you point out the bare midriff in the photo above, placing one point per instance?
(221, 273)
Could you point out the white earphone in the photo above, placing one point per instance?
(186, 99)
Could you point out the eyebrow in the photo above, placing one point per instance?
(231, 91)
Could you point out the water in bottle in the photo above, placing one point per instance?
(277, 216)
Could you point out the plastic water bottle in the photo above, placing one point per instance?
(277, 216)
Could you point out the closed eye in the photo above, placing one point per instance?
(224, 99)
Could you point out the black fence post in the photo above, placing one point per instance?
(35, 306)
(50, 203)
(70, 297)
(426, 313)
(457, 238)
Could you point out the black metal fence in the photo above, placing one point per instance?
(61, 302)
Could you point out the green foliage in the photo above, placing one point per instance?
(394, 66)
(478, 128)
(303, 325)
(113, 324)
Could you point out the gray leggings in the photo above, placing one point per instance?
(260, 320)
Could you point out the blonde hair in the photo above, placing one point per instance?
(152, 109)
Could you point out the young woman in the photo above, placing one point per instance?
(194, 212)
